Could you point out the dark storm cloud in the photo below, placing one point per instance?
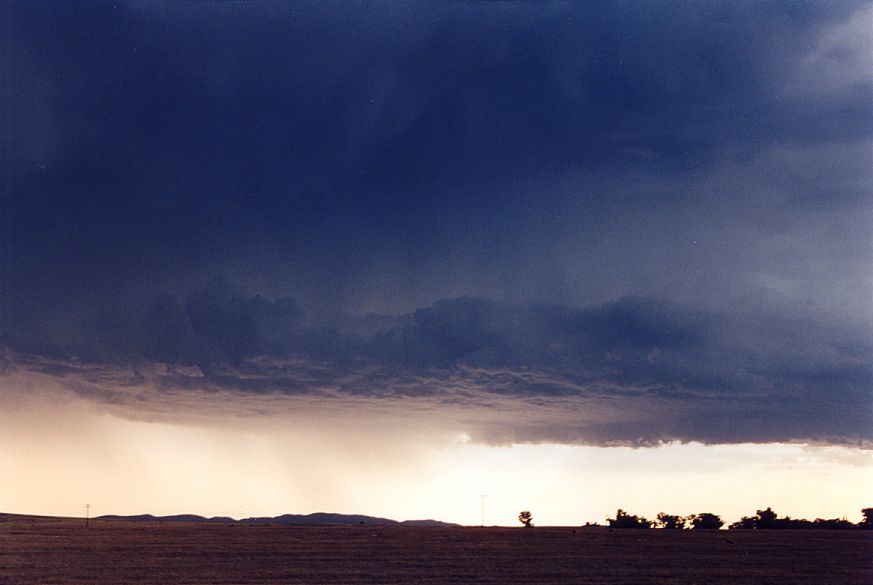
(636, 370)
(331, 142)
(665, 206)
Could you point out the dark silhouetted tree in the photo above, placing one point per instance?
(765, 519)
(624, 520)
(526, 518)
(746, 522)
(706, 521)
(867, 522)
(670, 521)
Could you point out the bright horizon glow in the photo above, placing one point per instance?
(56, 462)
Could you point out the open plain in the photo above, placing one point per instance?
(40, 550)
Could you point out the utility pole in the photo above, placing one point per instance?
(87, 515)
(483, 509)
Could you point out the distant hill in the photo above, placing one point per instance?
(428, 523)
(318, 518)
(5, 517)
(172, 518)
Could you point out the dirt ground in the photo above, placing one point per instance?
(40, 550)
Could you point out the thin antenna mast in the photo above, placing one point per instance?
(87, 515)
(483, 509)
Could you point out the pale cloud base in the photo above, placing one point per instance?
(61, 451)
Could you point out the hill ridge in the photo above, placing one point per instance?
(315, 518)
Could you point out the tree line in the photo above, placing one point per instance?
(762, 520)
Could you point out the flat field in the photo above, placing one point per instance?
(62, 551)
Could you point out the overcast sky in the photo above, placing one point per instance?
(583, 224)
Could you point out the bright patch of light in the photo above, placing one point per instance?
(59, 456)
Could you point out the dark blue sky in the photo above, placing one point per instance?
(661, 202)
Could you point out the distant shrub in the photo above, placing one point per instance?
(744, 523)
(831, 524)
(670, 521)
(624, 520)
(706, 521)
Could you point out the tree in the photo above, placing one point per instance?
(746, 522)
(624, 520)
(671, 521)
(765, 519)
(867, 522)
(526, 518)
(706, 521)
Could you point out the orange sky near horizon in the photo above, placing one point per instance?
(60, 453)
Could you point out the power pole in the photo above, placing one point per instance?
(87, 515)
(483, 509)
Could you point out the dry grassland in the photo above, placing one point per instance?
(62, 551)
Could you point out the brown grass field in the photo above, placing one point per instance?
(62, 551)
